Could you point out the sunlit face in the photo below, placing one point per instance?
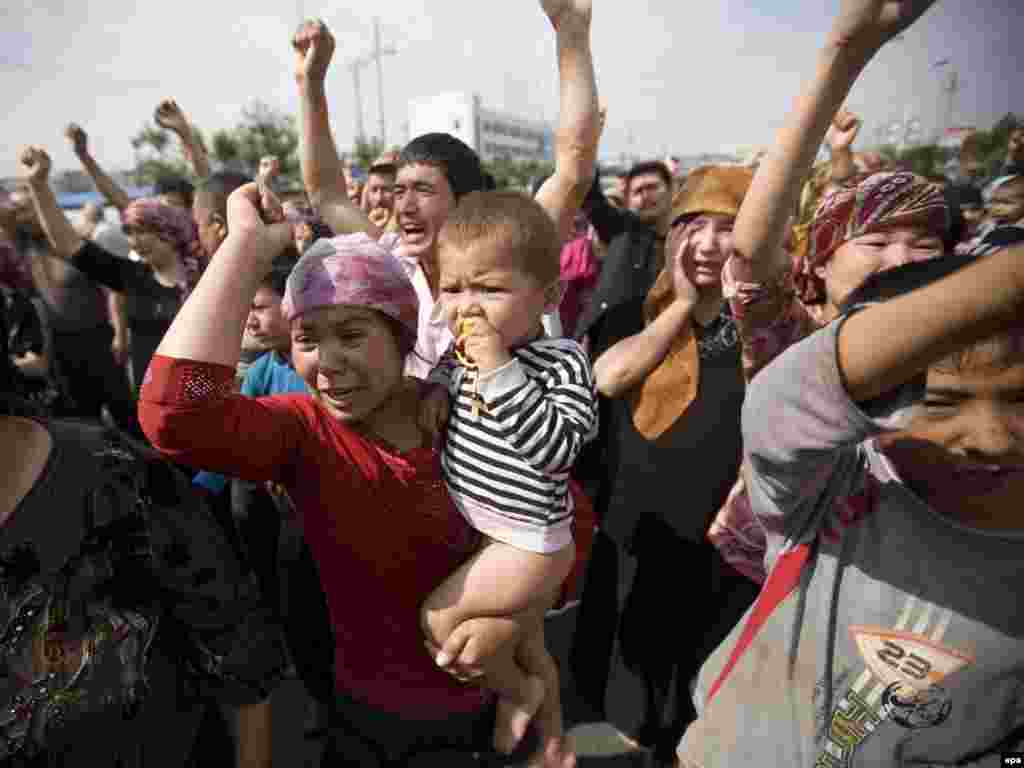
(350, 358)
(648, 197)
(380, 192)
(857, 259)
(423, 200)
(210, 228)
(707, 244)
(1006, 205)
(25, 211)
(1015, 146)
(355, 192)
(265, 323)
(964, 446)
(489, 276)
(151, 248)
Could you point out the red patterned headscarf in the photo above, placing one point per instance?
(866, 204)
(173, 225)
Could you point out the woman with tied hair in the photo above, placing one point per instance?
(364, 478)
(672, 386)
(163, 235)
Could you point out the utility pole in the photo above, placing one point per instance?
(950, 87)
(356, 65)
(378, 54)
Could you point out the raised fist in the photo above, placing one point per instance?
(169, 115)
(843, 131)
(35, 163)
(869, 24)
(314, 46)
(270, 166)
(78, 138)
(561, 10)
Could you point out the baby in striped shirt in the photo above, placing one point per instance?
(518, 407)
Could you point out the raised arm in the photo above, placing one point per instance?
(579, 120)
(107, 187)
(861, 28)
(627, 363)
(887, 344)
(321, 166)
(839, 139)
(208, 328)
(170, 116)
(35, 165)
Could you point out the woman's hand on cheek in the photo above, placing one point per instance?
(683, 287)
(261, 241)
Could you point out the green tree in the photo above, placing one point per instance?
(925, 160)
(262, 130)
(517, 174)
(157, 154)
(365, 152)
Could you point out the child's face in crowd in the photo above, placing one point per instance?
(1006, 206)
(707, 247)
(423, 200)
(973, 214)
(856, 260)
(349, 357)
(490, 276)
(266, 324)
(966, 441)
(173, 199)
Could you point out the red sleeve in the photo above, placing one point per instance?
(190, 413)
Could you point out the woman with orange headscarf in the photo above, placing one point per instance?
(672, 380)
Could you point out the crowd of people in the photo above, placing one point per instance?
(760, 428)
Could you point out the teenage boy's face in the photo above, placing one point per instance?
(489, 277)
(966, 440)
(423, 200)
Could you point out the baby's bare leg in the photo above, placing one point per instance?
(520, 696)
(553, 751)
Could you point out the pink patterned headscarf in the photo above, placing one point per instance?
(353, 270)
(173, 225)
(866, 204)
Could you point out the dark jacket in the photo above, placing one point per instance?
(631, 266)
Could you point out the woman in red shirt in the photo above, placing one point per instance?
(364, 478)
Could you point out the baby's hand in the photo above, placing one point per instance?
(476, 644)
(481, 343)
(434, 409)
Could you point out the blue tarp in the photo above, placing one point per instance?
(75, 200)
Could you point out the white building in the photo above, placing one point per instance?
(491, 134)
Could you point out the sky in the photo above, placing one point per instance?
(677, 76)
